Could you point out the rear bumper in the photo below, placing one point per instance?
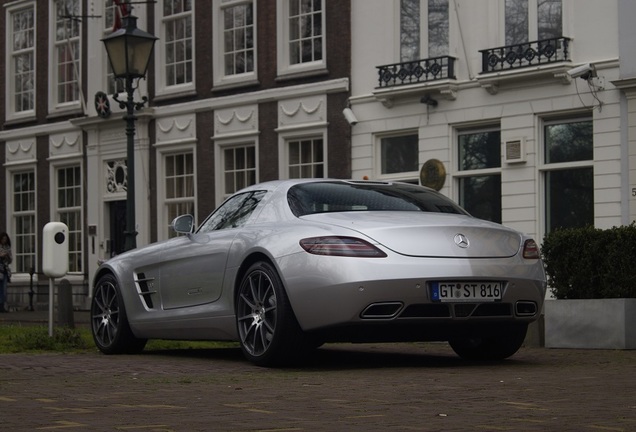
(337, 292)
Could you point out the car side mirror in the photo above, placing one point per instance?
(183, 224)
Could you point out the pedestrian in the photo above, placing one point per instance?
(5, 270)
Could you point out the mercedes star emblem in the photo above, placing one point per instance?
(461, 240)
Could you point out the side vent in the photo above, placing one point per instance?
(515, 150)
(146, 289)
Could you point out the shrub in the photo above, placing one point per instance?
(590, 263)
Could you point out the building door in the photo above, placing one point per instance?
(117, 210)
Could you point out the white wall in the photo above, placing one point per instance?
(518, 106)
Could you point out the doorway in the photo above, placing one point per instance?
(117, 238)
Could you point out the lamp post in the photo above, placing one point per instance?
(129, 50)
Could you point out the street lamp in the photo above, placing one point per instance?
(129, 50)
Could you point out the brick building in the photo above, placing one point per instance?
(240, 92)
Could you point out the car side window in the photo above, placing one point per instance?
(233, 213)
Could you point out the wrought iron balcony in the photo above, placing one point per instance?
(524, 55)
(417, 71)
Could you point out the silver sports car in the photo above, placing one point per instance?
(285, 266)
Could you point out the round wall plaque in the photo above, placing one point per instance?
(433, 174)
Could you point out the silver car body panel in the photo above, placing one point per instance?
(183, 288)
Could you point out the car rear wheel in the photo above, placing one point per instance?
(109, 323)
(492, 347)
(268, 331)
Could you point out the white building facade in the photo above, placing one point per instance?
(474, 98)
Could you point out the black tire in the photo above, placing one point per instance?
(269, 334)
(109, 323)
(494, 347)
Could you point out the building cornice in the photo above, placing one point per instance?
(269, 95)
(38, 130)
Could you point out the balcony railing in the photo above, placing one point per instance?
(417, 71)
(524, 55)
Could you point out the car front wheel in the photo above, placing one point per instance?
(109, 323)
(268, 331)
(498, 346)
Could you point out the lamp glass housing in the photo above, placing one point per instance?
(129, 50)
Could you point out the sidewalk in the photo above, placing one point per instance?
(41, 317)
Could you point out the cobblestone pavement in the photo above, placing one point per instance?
(397, 387)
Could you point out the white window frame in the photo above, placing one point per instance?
(544, 167)
(458, 174)
(12, 112)
(163, 88)
(408, 176)
(285, 67)
(56, 107)
(164, 219)
(218, 51)
(219, 156)
(55, 187)
(283, 148)
(11, 216)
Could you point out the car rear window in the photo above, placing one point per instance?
(321, 197)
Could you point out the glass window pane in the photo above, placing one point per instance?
(568, 142)
(409, 30)
(550, 19)
(479, 150)
(516, 21)
(569, 198)
(399, 154)
(294, 153)
(437, 28)
(305, 31)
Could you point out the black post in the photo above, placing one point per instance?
(31, 292)
(131, 226)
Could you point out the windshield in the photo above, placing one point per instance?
(321, 197)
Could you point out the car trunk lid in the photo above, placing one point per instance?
(429, 234)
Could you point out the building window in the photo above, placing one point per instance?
(569, 174)
(479, 175)
(549, 19)
(305, 31)
(235, 41)
(239, 168)
(306, 158)
(21, 49)
(437, 28)
(69, 209)
(24, 223)
(178, 42)
(179, 186)
(415, 45)
(302, 36)
(67, 52)
(398, 156)
(112, 21)
(529, 20)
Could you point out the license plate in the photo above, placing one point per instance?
(465, 291)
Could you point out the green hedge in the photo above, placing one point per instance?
(590, 263)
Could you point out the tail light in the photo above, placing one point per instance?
(341, 246)
(531, 250)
